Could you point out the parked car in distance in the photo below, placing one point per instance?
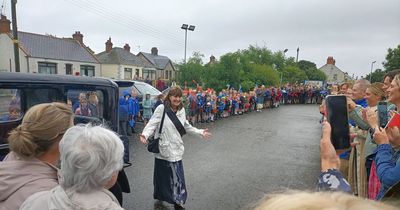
(141, 88)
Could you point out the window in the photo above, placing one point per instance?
(166, 74)
(335, 77)
(38, 96)
(86, 103)
(170, 74)
(10, 105)
(128, 73)
(137, 73)
(47, 68)
(150, 74)
(87, 70)
(68, 69)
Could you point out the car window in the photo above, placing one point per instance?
(146, 88)
(41, 95)
(86, 103)
(122, 89)
(10, 105)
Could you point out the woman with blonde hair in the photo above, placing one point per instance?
(30, 167)
(319, 201)
(91, 157)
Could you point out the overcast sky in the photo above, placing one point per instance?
(354, 32)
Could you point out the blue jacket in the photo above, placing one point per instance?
(124, 106)
(387, 167)
(221, 106)
(133, 106)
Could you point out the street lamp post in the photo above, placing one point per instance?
(297, 55)
(370, 75)
(190, 28)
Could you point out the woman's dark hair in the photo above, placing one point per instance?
(175, 91)
(392, 74)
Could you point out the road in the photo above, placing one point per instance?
(247, 157)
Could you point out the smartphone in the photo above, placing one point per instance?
(382, 114)
(336, 108)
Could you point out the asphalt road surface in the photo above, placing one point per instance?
(247, 157)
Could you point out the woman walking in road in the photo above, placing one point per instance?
(169, 180)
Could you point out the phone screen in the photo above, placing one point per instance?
(382, 114)
(337, 116)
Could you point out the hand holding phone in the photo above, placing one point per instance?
(336, 106)
(380, 136)
(329, 159)
(372, 117)
(382, 114)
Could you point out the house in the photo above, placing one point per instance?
(333, 73)
(46, 54)
(120, 63)
(165, 68)
(212, 61)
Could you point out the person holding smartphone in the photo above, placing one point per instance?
(356, 175)
(387, 154)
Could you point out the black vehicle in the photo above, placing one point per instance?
(20, 91)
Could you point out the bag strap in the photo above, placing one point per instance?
(162, 121)
(178, 125)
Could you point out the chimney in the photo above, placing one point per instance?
(127, 48)
(154, 51)
(78, 37)
(109, 45)
(330, 60)
(4, 25)
(212, 59)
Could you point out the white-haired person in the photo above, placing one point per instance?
(91, 157)
(31, 165)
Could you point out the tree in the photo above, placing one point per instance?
(192, 70)
(264, 74)
(304, 65)
(392, 59)
(311, 70)
(294, 74)
(377, 76)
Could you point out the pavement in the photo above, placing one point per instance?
(247, 157)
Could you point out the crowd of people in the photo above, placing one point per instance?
(372, 164)
(56, 165)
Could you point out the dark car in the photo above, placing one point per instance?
(19, 92)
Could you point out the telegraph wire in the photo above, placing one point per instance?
(121, 20)
(136, 20)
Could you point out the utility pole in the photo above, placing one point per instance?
(15, 34)
(297, 56)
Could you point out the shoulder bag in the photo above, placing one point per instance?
(152, 146)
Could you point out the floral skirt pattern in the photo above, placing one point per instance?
(169, 182)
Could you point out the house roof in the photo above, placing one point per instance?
(330, 66)
(120, 56)
(50, 47)
(159, 61)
